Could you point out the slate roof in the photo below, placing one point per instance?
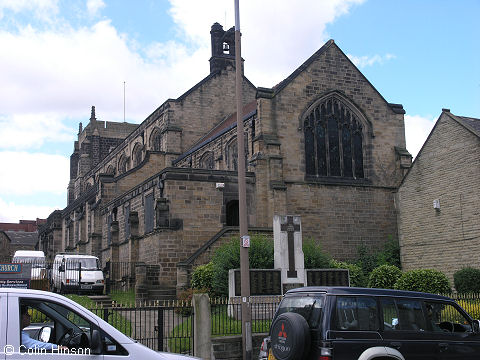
(22, 238)
(471, 124)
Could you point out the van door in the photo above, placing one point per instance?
(3, 324)
(405, 329)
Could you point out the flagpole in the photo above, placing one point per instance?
(242, 199)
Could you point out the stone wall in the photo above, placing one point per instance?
(447, 169)
(230, 347)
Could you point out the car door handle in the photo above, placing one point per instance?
(443, 346)
(396, 345)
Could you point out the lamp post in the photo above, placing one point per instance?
(242, 199)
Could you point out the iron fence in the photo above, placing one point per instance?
(161, 326)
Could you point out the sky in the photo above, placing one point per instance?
(60, 57)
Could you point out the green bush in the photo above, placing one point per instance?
(384, 277)
(425, 280)
(227, 257)
(467, 280)
(202, 277)
(357, 278)
(314, 256)
(390, 255)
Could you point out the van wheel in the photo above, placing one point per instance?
(290, 337)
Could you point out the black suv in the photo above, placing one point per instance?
(344, 323)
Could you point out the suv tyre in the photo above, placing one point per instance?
(290, 339)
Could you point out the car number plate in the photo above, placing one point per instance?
(86, 287)
(270, 355)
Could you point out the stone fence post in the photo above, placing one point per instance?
(202, 327)
(141, 286)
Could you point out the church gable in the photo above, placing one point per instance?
(326, 114)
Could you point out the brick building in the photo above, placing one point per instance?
(323, 144)
(438, 201)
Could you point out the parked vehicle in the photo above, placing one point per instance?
(61, 321)
(343, 323)
(36, 259)
(77, 273)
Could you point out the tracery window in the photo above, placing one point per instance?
(122, 164)
(232, 155)
(206, 161)
(333, 141)
(156, 140)
(137, 155)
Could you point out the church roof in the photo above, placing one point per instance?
(228, 123)
(471, 124)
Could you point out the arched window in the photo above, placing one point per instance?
(231, 153)
(110, 170)
(206, 161)
(137, 154)
(333, 140)
(122, 164)
(156, 140)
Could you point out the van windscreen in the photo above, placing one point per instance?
(86, 264)
(310, 307)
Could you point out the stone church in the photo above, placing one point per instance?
(323, 144)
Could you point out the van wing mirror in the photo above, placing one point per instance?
(61, 268)
(476, 326)
(96, 343)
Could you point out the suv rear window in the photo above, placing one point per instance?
(356, 313)
(310, 307)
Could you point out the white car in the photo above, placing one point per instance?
(64, 322)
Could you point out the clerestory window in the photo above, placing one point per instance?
(333, 141)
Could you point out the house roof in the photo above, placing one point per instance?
(471, 124)
(224, 126)
(22, 238)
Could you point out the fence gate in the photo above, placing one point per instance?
(160, 326)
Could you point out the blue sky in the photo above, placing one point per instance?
(60, 57)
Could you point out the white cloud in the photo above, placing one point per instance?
(25, 173)
(364, 61)
(41, 9)
(12, 212)
(277, 35)
(94, 7)
(17, 130)
(417, 129)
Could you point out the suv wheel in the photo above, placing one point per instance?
(290, 337)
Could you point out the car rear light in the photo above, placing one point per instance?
(68, 281)
(325, 354)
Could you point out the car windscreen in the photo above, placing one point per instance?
(86, 264)
(310, 307)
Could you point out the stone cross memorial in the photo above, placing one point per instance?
(288, 253)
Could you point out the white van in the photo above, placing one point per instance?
(36, 259)
(61, 321)
(77, 273)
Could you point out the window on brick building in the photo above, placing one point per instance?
(156, 140)
(137, 154)
(206, 161)
(149, 213)
(333, 140)
(122, 164)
